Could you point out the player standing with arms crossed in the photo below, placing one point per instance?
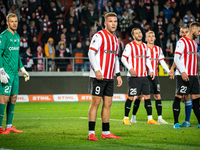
(103, 56)
(9, 63)
(156, 55)
(186, 73)
(136, 58)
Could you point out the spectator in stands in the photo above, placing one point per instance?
(146, 27)
(171, 45)
(84, 31)
(91, 16)
(197, 18)
(92, 32)
(196, 8)
(171, 27)
(108, 7)
(33, 29)
(79, 53)
(164, 20)
(129, 10)
(26, 33)
(142, 11)
(188, 17)
(34, 45)
(178, 27)
(59, 25)
(134, 25)
(177, 16)
(118, 10)
(14, 10)
(73, 37)
(102, 19)
(47, 35)
(60, 53)
(23, 45)
(86, 61)
(175, 8)
(61, 38)
(124, 24)
(183, 7)
(39, 61)
(46, 23)
(66, 33)
(21, 23)
(160, 41)
(40, 16)
(69, 23)
(33, 4)
(154, 11)
(2, 25)
(3, 8)
(69, 15)
(25, 9)
(77, 11)
(50, 53)
(159, 25)
(97, 26)
(53, 11)
(33, 18)
(28, 59)
(167, 11)
(17, 3)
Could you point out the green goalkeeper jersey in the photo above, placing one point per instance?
(9, 50)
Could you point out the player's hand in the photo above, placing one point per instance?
(4, 76)
(133, 72)
(171, 74)
(99, 75)
(119, 80)
(152, 75)
(184, 77)
(25, 74)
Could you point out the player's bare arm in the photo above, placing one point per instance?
(133, 72)
(119, 80)
(99, 75)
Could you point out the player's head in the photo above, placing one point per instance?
(194, 28)
(150, 37)
(183, 31)
(137, 34)
(12, 22)
(111, 22)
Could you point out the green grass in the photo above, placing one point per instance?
(49, 126)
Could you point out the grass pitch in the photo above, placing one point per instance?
(64, 125)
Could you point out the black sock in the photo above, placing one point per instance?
(105, 126)
(147, 105)
(91, 125)
(127, 107)
(195, 106)
(136, 106)
(176, 109)
(159, 107)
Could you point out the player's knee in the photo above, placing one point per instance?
(179, 96)
(157, 96)
(146, 96)
(13, 99)
(195, 96)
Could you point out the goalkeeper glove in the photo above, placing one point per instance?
(25, 74)
(4, 76)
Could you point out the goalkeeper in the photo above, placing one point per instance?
(9, 63)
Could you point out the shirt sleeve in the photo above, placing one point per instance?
(148, 53)
(2, 48)
(161, 55)
(180, 47)
(20, 62)
(127, 51)
(95, 42)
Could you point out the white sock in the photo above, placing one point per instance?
(150, 117)
(105, 132)
(91, 131)
(160, 117)
(126, 117)
(8, 126)
(134, 117)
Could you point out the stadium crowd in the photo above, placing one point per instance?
(59, 28)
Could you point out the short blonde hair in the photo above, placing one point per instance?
(150, 32)
(11, 15)
(110, 14)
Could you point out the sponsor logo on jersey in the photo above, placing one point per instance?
(140, 56)
(13, 48)
(110, 52)
(192, 53)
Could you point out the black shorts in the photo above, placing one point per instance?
(101, 87)
(185, 88)
(138, 85)
(154, 85)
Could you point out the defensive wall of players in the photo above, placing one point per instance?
(67, 86)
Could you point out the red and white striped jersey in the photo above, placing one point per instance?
(187, 49)
(106, 47)
(156, 55)
(136, 55)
